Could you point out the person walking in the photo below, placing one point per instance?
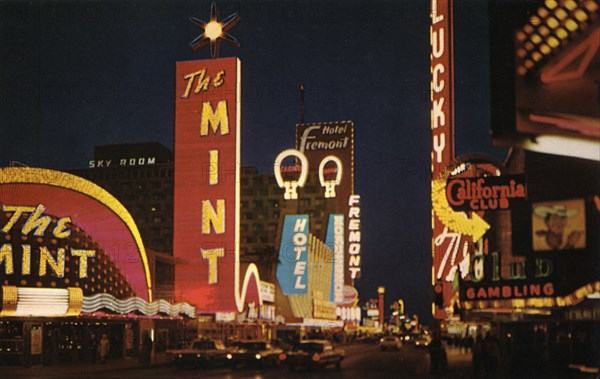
(436, 354)
(478, 355)
(492, 352)
(146, 352)
(103, 348)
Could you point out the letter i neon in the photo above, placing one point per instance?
(214, 167)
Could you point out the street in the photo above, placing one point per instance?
(362, 361)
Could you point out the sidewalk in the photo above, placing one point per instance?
(459, 363)
(79, 370)
(460, 367)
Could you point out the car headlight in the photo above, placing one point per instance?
(198, 355)
(229, 356)
(258, 356)
(179, 356)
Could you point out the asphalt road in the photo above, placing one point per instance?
(362, 361)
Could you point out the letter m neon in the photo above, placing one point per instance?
(214, 118)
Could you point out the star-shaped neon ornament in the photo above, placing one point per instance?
(215, 31)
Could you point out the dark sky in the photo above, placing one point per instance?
(75, 75)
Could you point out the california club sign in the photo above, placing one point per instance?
(486, 193)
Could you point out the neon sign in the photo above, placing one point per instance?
(488, 193)
(291, 186)
(354, 237)
(330, 184)
(335, 241)
(207, 193)
(292, 271)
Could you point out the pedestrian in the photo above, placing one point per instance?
(146, 352)
(103, 347)
(492, 354)
(436, 354)
(478, 355)
(93, 347)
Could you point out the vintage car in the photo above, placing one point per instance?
(312, 354)
(255, 353)
(201, 352)
(423, 341)
(390, 343)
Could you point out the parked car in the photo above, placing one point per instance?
(201, 352)
(257, 353)
(313, 353)
(390, 343)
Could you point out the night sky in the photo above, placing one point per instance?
(76, 75)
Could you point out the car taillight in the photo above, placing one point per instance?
(282, 357)
(316, 357)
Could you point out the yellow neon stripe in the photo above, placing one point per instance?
(537, 302)
(28, 175)
(240, 298)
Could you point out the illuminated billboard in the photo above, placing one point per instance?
(207, 191)
(558, 225)
(292, 270)
(442, 144)
(70, 247)
(544, 69)
(335, 241)
(550, 262)
(486, 193)
(354, 236)
(61, 230)
(329, 148)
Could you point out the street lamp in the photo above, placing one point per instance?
(381, 292)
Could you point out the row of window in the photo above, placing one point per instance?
(127, 172)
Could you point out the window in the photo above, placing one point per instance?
(305, 202)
